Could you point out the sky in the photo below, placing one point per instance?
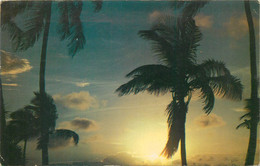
(132, 130)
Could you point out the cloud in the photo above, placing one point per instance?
(122, 159)
(79, 101)
(93, 138)
(12, 65)
(7, 84)
(79, 124)
(203, 21)
(154, 16)
(82, 84)
(237, 26)
(211, 120)
(240, 110)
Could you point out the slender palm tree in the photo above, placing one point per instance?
(175, 42)
(25, 124)
(252, 104)
(37, 23)
(2, 126)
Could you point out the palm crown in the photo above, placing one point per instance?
(175, 42)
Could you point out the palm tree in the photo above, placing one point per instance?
(252, 104)
(25, 124)
(175, 42)
(2, 126)
(37, 23)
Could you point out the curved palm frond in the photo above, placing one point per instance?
(212, 68)
(66, 134)
(227, 86)
(208, 96)
(63, 26)
(176, 124)
(152, 78)
(246, 124)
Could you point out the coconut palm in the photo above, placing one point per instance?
(252, 104)
(2, 126)
(25, 124)
(36, 23)
(175, 42)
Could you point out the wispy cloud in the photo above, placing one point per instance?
(57, 142)
(79, 101)
(11, 84)
(211, 120)
(82, 84)
(12, 65)
(204, 21)
(79, 124)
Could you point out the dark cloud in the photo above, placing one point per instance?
(79, 124)
(212, 120)
(12, 65)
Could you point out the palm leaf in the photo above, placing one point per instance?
(228, 86)
(176, 122)
(63, 26)
(66, 134)
(208, 96)
(152, 78)
(98, 4)
(246, 124)
(76, 37)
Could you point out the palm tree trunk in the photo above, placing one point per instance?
(183, 149)
(183, 143)
(44, 126)
(254, 88)
(24, 152)
(2, 126)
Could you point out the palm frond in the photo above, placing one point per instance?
(176, 122)
(64, 24)
(162, 47)
(227, 86)
(208, 96)
(98, 5)
(246, 124)
(191, 8)
(76, 37)
(212, 68)
(66, 134)
(33, 27)
(10, 9)
(157, 79)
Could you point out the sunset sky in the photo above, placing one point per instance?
(132, 129)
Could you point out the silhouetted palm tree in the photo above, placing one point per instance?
(37, 23)
(25, 124)
(2, 126)
(252, 104)
(175, 43)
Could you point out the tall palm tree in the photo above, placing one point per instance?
(37, 23)
(2, 126)
(25, 124)
(175, 42)
(252, 104)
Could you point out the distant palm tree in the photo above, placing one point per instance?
(252, 104)
(2, 126)
(175, 43)
(37, 22)
(25, 124)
